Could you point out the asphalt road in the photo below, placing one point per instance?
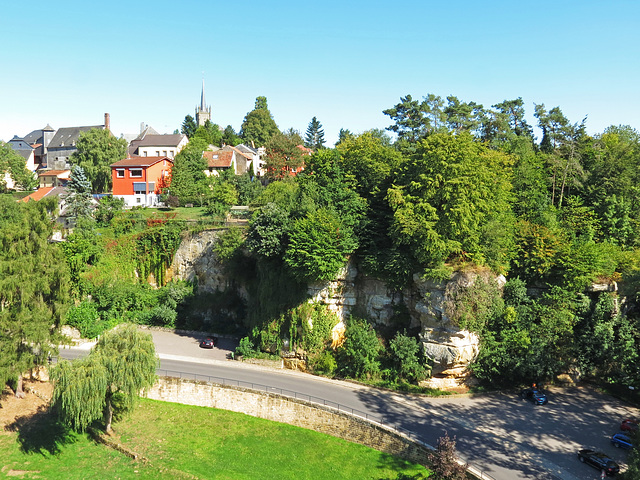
(499, 434)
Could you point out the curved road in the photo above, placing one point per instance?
(499, 434)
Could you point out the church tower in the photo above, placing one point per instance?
(203, 113)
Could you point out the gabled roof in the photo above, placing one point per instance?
(56, 173)
(171, 140)
(218, 159)
(247, 155)
(139, 162)
(245, 148)
(68, 136)
(149, 140)
(45, 192)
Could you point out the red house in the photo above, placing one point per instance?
(140, 180)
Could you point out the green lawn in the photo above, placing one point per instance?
(195, 443)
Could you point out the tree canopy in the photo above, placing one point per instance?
(122, 363)
(314, 138)
(96, 151)
(34, 287)
(258, 126)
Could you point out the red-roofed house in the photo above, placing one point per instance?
(225, 158)
(140, 180)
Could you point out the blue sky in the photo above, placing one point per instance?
(66, 63)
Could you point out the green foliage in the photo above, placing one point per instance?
(34, 286)
(258, 126)
(16, 166)
(323, 363)
(86, 319)
(155, 248)
(358, 356)
(228, 245)
(318, 247)
(95, 151)
(472, 307)
(188, 180)
(283, 155)
(245, 348)
(189, 126)
(230, 137)
(444, 197)
(122, 363)
(106, 209)
(310, 327)
(267, 235)
(314, 137)
(79, 199)
(406, 356)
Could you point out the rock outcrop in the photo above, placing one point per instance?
(450, 348)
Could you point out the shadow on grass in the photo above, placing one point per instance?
(41, 433)
(397, 464)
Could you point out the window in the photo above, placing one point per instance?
(135, 173)
(120, 173)
(139, 200)
(164, 153)
(157, 153)
(144, 153)
(171, 154)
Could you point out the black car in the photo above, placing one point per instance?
(599, 460)
(538, 397)
(209, 342)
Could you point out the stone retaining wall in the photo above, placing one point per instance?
(296, 412)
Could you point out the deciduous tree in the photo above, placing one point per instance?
(96, 150)
(258, 126)
(122, 364)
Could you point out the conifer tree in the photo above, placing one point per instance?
(79, 197)
(34, 287)
(314, 137)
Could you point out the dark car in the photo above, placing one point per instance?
(599, 460)
(629, 425)
(209, 342)
(621, 440)
(538, 397)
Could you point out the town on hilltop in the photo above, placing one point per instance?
(139, 177)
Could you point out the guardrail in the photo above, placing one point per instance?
(478, 473)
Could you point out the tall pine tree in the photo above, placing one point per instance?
(314, 137)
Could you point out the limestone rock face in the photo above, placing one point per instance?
(449, 347)
(195, 261)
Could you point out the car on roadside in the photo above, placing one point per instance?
(629, 425)
(535, 395)
(208, 342)
(599, 460)
(620, 440)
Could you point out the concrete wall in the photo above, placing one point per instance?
(292, 411)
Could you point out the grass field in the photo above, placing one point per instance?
(184, 442)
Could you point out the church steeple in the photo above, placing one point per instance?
(203, 113)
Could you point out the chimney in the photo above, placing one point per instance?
(107, 122)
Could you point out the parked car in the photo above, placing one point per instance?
(620, 440)
(629, 425)
(538, 397)
(599, 460)
(208, 342)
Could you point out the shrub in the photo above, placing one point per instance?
(245, 348)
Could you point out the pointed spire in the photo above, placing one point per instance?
(203, 105)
